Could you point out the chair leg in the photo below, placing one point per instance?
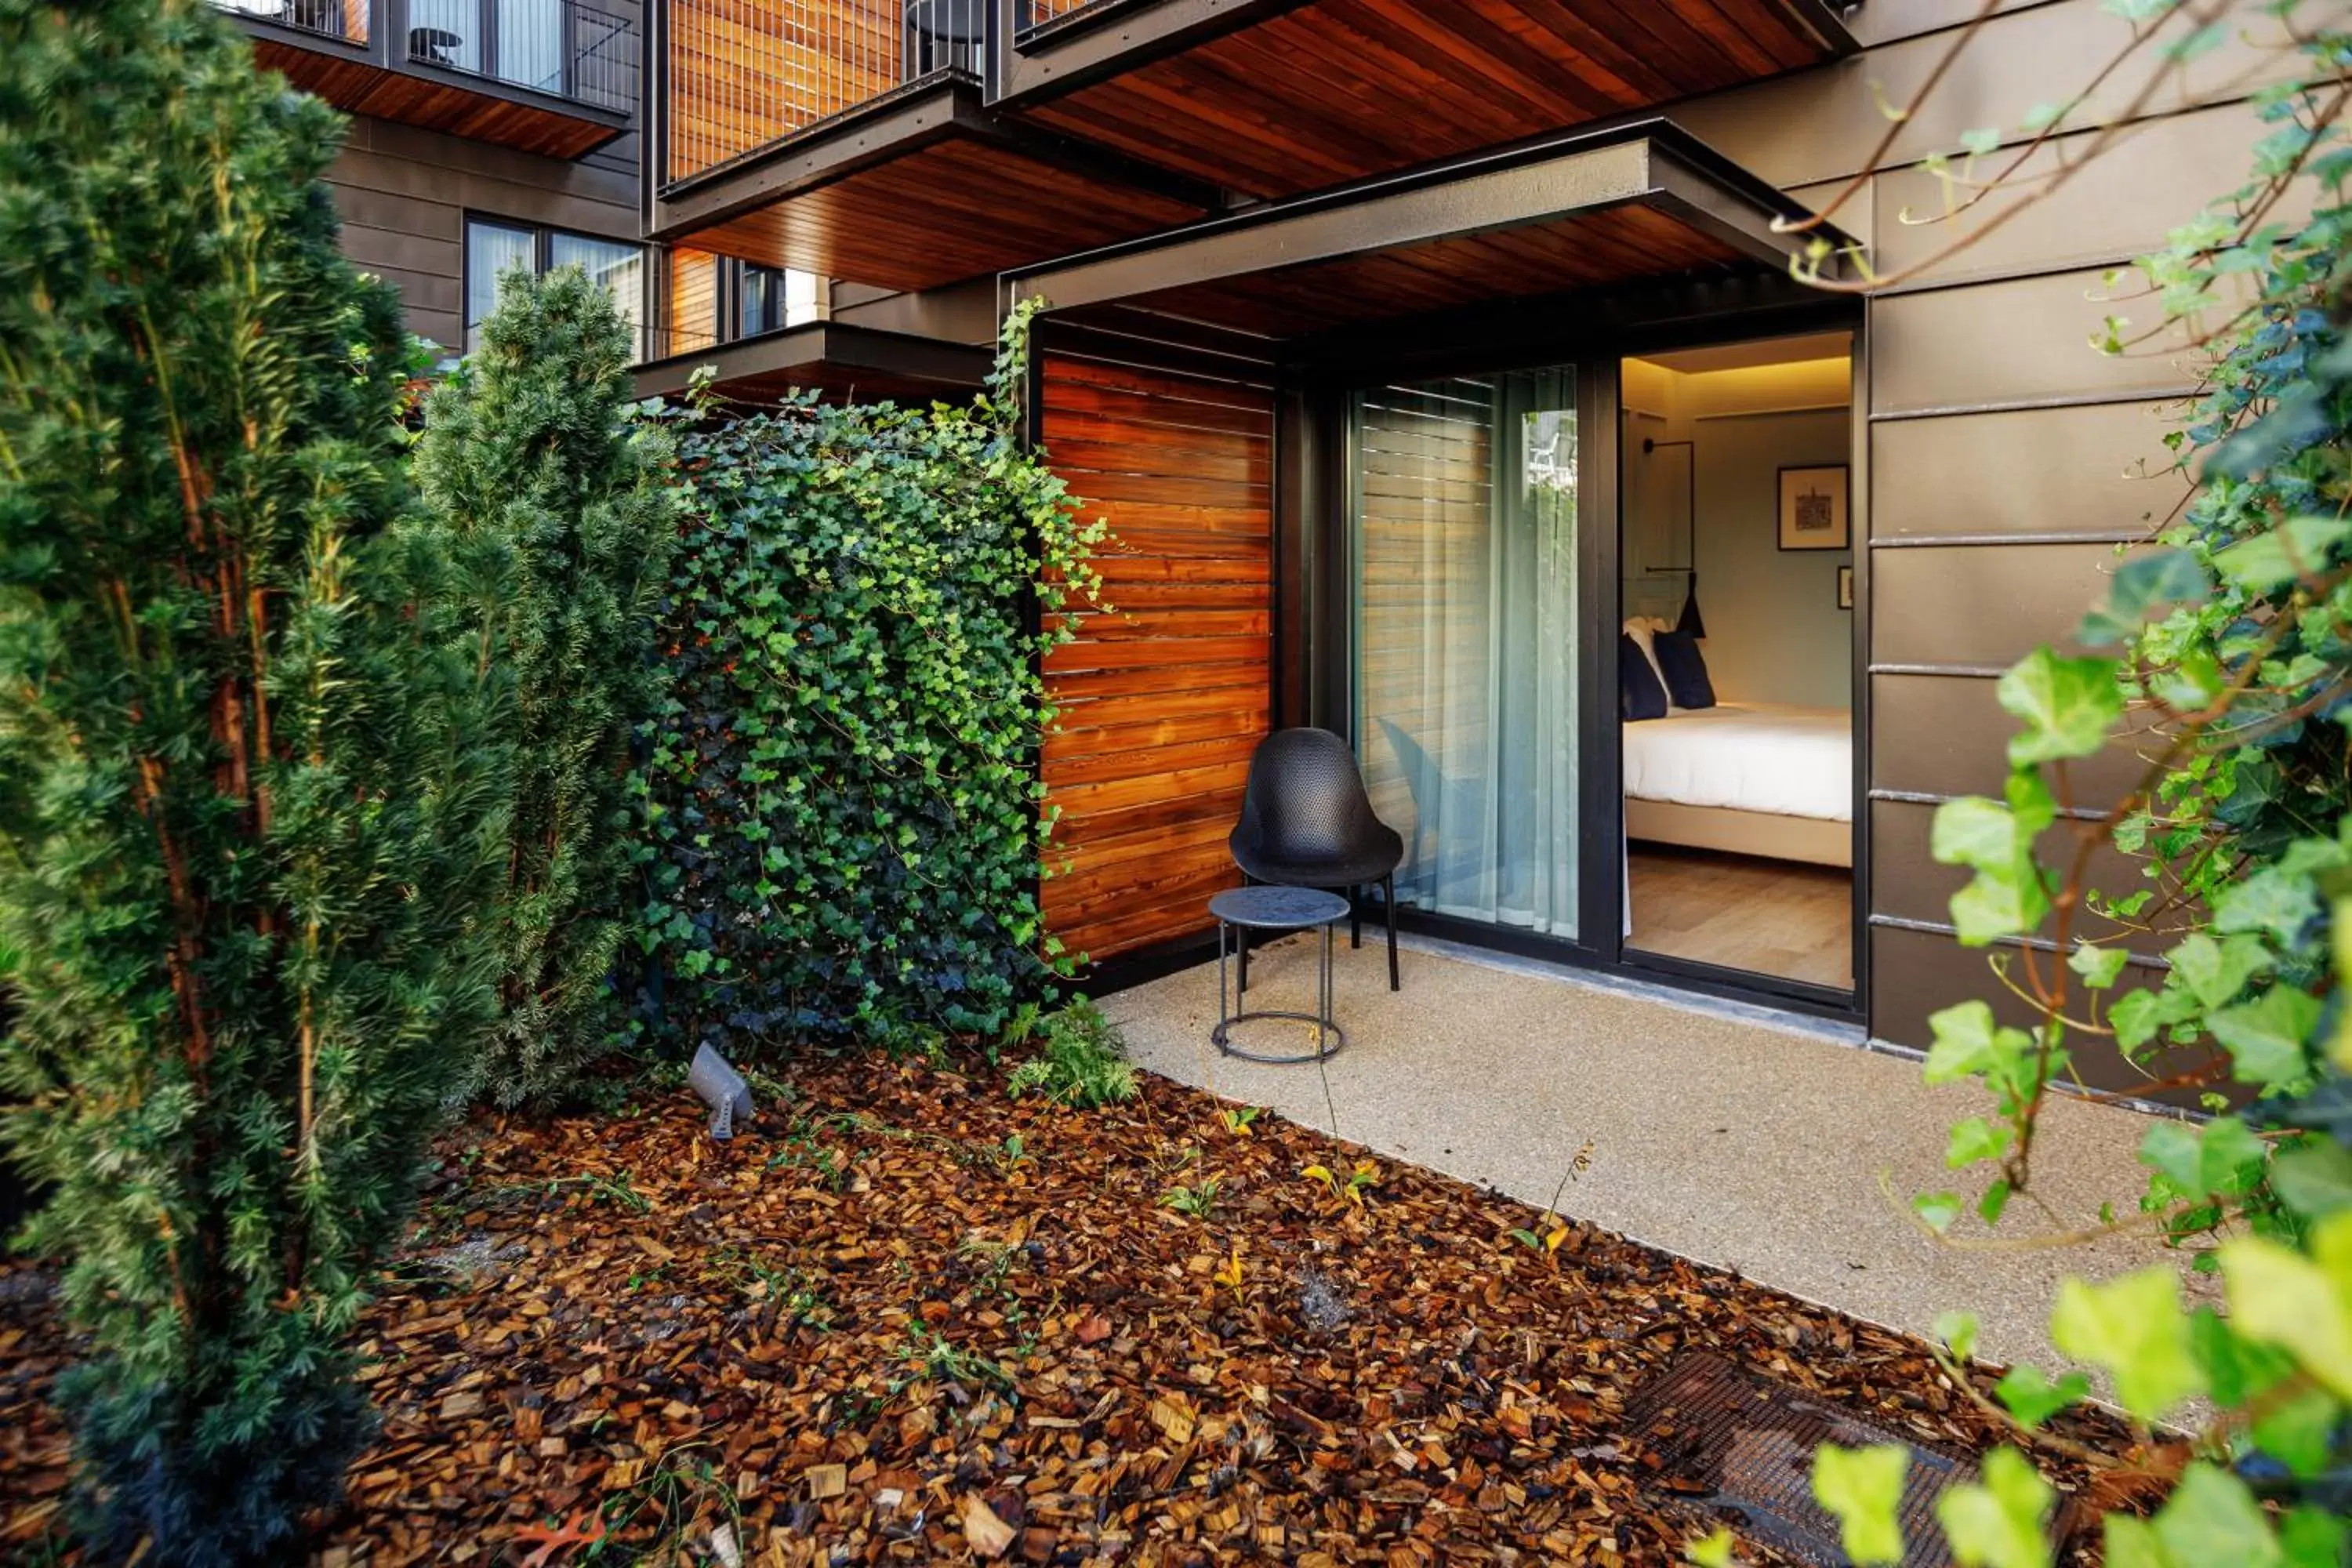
(1242, 989)
(1355, 918)
(1388, 906)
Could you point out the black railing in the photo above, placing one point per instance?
(343, 19)
(560, 48)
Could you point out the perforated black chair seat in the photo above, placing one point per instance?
(1306, 822)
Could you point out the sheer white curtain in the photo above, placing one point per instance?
(1466, 637)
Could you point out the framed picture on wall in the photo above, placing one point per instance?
(1846, 587)
(1813, 509)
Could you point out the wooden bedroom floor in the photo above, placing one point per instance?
(1767, 917)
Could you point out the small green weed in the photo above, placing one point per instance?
(931, 1356)
(1195, 1201)
(1082, 1060)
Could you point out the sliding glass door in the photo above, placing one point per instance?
(1465, 640)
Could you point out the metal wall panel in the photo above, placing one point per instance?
(2024, 340)
(2121, 202)
(1973, 605)
(1913, 886)
(1819, 124)
(2098, 469)
(1944, 735)
(1919, 973)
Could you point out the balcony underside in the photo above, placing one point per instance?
(837, 361)
(1274, 98)
(1634, 204)
(919, 190)
(477, 110)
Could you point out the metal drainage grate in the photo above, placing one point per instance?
(1753, 1448)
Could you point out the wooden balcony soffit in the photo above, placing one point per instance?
(830, 358)
(1638, 201)
(360, 80)
(919, 187)
(1272, 98)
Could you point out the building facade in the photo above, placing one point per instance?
(1421, 353)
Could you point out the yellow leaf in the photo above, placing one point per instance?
(1317, 1174)
(1551, 1242)
(1230, 1276)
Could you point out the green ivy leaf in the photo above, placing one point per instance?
(2068, 706)
(2098, 966)
(2265, 1037)
(1958, 1332)
(1863, 1488)
(2132, 1326)
(2221, 1157)
(2279, 1296)
(2270, 560)
(1711, 1550)
(2313, 1538)
(2313, 1179)
(2216, 971)
(1937, 1209)
(1976, 1139)
(2210, 1518)
(1997, 1524)
(2032, 1398)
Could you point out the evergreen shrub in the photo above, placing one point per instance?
(251, 801)
(557, 499)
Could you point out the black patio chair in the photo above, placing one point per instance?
(1306, 822)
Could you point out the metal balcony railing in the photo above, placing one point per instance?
(560, 48)
(1036, 12)
(343, 19)
(744, 73)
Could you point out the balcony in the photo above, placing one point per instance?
(558, 77)
(1273, 97)
(851, 138)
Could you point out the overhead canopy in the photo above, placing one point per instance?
(831, 358)
(1633, 202)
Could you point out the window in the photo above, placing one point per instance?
(494, 249)
(774, 298)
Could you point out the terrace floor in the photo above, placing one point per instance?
(1770, 1145)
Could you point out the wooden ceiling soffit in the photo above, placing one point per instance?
(1577, 212)
(1272, 98)
(352, 78)
(922, 187)
(829, 357)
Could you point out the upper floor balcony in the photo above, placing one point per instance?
(1273, 97)
(852, 138)
(558, 77)
(910, 143)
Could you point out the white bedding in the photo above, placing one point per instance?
(1748, 756)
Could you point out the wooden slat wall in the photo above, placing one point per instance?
(1164, 697)
(693, 324)
(743, 73)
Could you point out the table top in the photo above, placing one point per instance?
(1267, 907)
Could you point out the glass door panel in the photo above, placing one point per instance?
(1466, 563)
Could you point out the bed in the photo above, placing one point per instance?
(1752, 778)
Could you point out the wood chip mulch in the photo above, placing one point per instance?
(902, 1319)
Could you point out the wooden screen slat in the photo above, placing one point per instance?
(1166, 694)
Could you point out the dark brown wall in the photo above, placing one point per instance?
(404, 194)
(2003, 456)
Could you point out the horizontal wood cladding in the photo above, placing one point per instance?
(1334, 90)
(1163, 696)
(434, 104)
(1611, 245)
(954, 209)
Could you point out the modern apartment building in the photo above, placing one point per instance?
(1438, 366)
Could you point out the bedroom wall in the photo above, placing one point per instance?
(1774, 631)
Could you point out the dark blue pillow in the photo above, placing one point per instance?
(1639, 695)
(1685, 672)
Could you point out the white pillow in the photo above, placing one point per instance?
(1642, 628)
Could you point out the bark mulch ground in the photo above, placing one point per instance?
(902, 1319)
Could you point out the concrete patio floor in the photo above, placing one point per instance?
(1751, 1140)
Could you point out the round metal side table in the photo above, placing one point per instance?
(1267, 908)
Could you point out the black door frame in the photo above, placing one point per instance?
(1315, 679)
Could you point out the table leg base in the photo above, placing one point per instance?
(1329, 1039)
